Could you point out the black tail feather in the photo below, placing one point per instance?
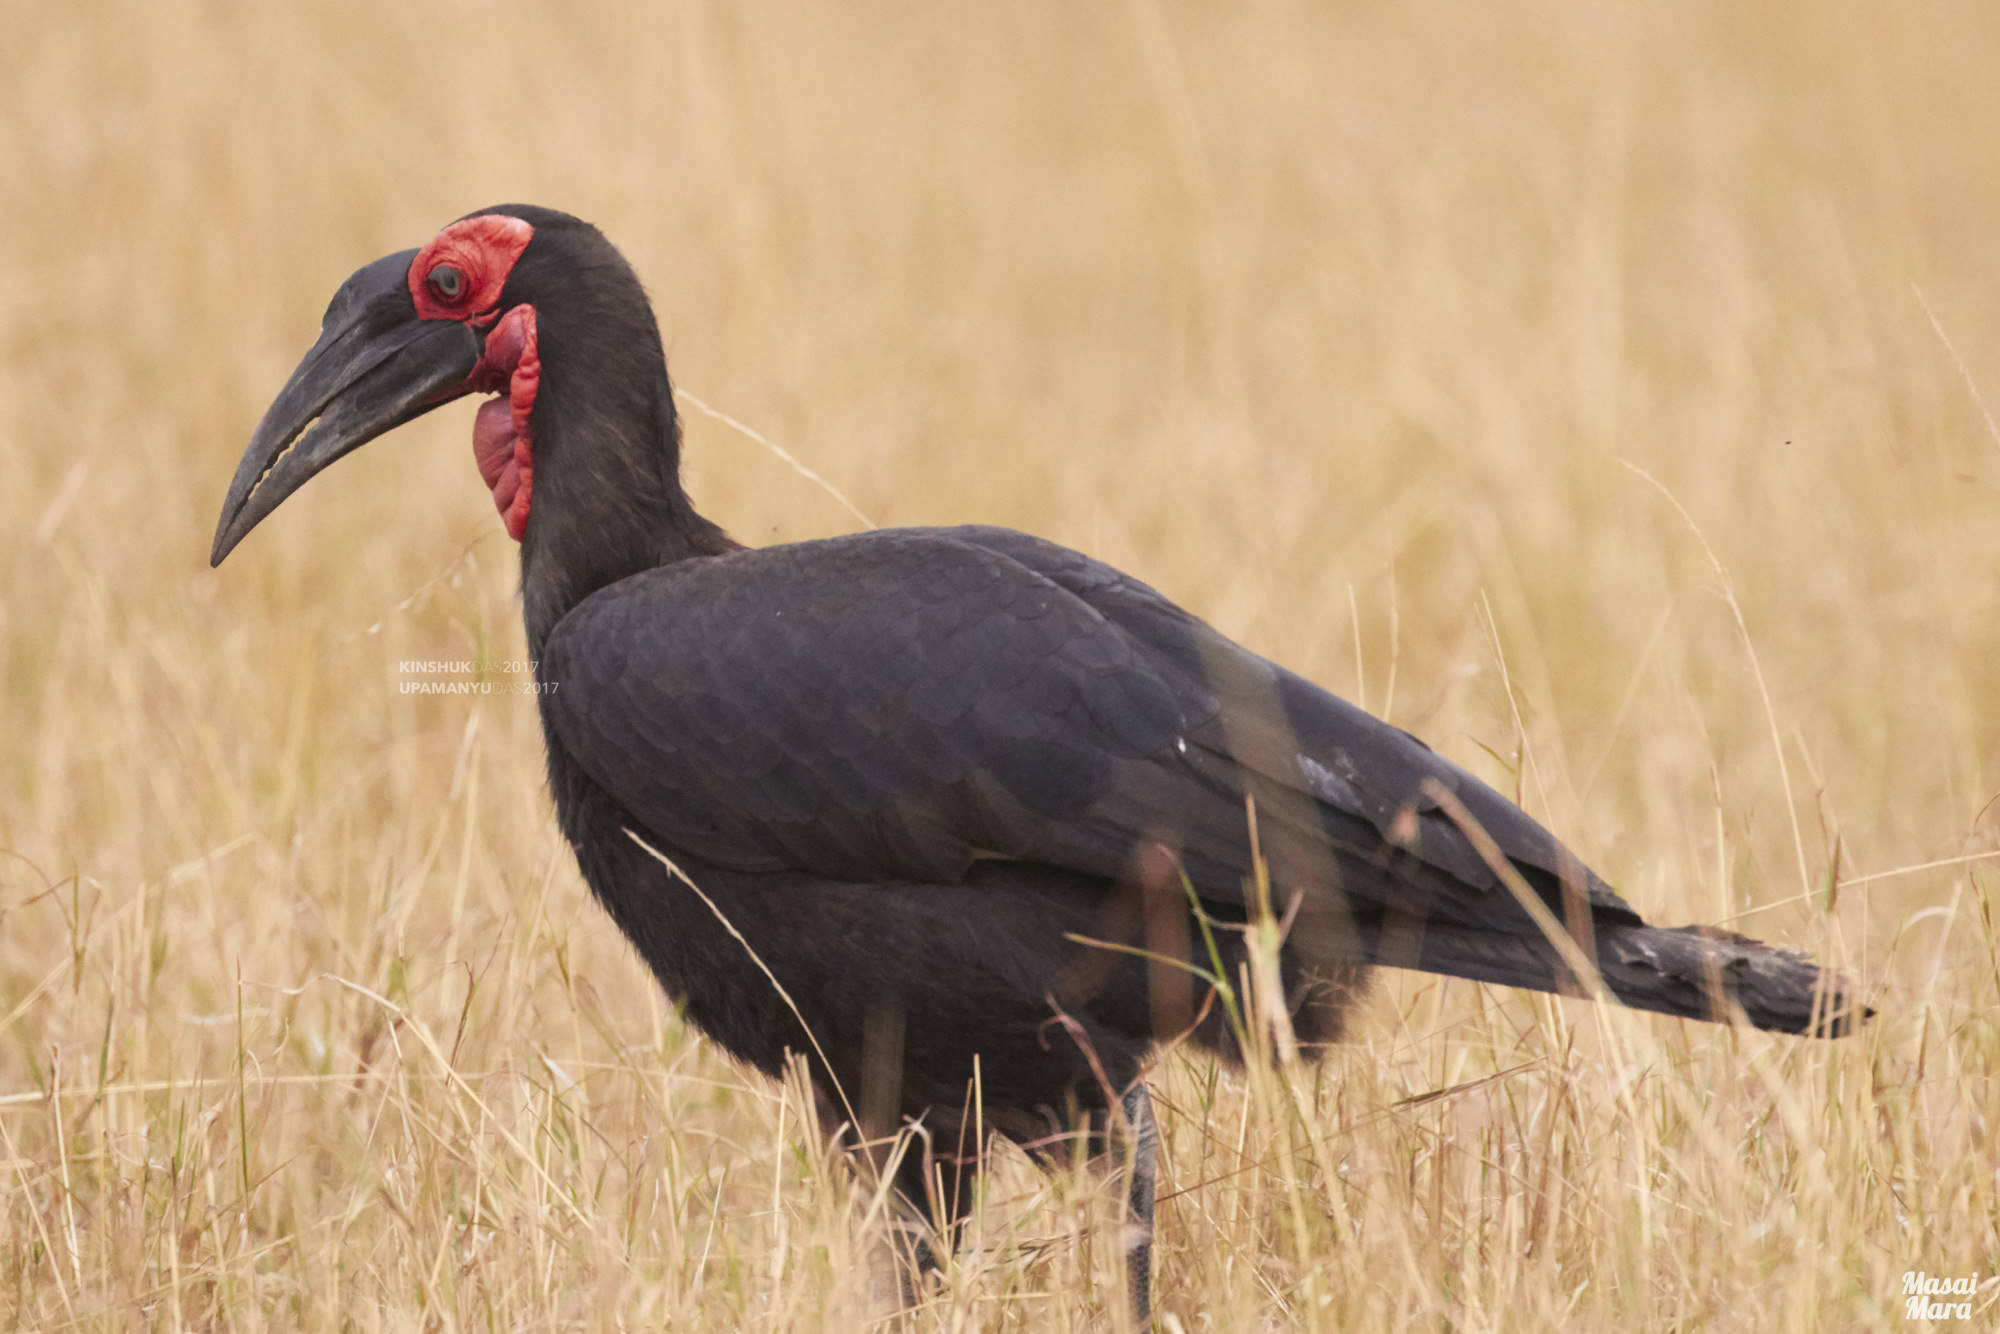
(1694, 972)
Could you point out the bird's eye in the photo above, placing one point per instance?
(447, 281)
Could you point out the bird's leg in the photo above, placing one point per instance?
(905, 1255)
(912, 1259)
(1141, 1177)
(930, 1203)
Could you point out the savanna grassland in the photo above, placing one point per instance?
(1605, 393)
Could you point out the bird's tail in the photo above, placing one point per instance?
(1692, 971)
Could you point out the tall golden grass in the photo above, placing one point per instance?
(1605, 392)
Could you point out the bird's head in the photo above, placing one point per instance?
(474, 310)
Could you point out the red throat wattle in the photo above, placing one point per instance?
(460, 276)
(502, 440)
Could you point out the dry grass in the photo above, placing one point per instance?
(1338, 327)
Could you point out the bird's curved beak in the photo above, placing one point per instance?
(375, 366)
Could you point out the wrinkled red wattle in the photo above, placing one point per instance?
(502, 436)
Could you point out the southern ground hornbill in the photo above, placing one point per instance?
(914, 788)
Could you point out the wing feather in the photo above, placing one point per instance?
(893, 703)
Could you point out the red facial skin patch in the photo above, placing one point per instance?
(501, 439)
(459, 276)
(483, 250)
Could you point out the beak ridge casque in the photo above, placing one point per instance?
(375, 366)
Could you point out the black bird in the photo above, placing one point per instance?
(937, 796)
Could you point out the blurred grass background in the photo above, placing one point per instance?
(1357, 328)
